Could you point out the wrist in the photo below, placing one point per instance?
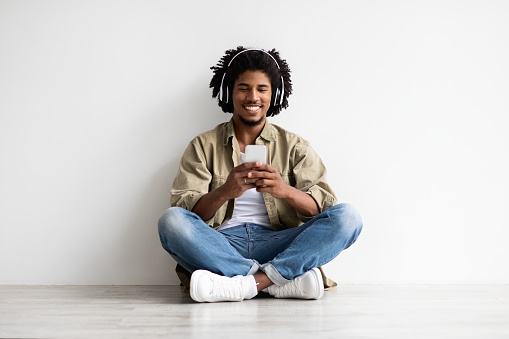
(289, 193)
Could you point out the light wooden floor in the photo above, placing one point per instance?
(353, 311)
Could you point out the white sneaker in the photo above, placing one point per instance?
(306, 286)
(210, 287)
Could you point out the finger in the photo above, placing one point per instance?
(247, 165)
(249, 185)
(248, 181)
(260, 174)
(264, 183)
(267, 168)
(240, 168)
(263, 189)
(253, 164)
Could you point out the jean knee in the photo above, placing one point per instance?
(348, 218)
(173, 222)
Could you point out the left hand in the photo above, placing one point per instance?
(268, 180)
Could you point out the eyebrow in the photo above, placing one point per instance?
(247, 85)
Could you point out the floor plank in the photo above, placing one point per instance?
(353, 311)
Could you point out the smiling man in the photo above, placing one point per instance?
(252, 98)
(237, 228)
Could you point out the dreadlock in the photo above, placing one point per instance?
(251, 61)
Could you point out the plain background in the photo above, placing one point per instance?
(406, 101)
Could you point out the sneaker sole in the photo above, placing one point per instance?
(318, 275)
(193, 285)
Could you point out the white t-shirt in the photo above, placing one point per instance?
(250, 208)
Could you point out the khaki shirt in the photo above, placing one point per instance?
(210, 157)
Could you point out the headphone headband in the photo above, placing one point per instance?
(252, 49)
(278, 98)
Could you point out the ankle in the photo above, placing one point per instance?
(262, 281)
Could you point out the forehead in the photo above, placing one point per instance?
(253, 78)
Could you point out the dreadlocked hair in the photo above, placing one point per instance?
(253, 60)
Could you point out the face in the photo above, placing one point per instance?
(251, 98)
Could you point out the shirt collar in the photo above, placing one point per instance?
(268, 132)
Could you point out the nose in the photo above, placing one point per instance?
(253, 95)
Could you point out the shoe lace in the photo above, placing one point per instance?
(231, 289)
(290, 289)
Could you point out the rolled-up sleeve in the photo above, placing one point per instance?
(193, 178)
(311, 177)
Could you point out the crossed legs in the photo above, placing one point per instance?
(272, 257)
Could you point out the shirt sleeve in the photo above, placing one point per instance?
(193, 178)
(311, 177)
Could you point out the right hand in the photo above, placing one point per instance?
(237, 182)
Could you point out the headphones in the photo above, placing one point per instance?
(224, 92)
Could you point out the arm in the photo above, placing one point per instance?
(209, 203)
(311, 176)
(268, 180)
(234, 187)
(193, 178)
(310, 194)
(303, 203)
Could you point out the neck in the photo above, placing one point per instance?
(246, 135)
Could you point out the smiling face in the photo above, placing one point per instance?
(251, 95)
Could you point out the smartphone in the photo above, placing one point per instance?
(256, 153)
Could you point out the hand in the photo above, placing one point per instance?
(268, 180)
(238, 182)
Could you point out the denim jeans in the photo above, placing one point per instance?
(247, 248)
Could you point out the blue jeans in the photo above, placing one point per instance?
(245, 249)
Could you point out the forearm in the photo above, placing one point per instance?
(208, 204)
(233, 188)
(303, 203)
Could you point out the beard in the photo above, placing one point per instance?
(251, 123)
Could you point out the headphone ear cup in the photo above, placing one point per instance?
(277, 97)
(224, 94)
(223, 91)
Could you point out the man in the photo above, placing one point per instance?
(245, 227)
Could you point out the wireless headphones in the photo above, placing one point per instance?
(224, 93)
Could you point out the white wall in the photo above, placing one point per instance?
(406, 101)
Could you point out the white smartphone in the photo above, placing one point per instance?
(256, 153)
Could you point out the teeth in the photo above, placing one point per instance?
(250, 108)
